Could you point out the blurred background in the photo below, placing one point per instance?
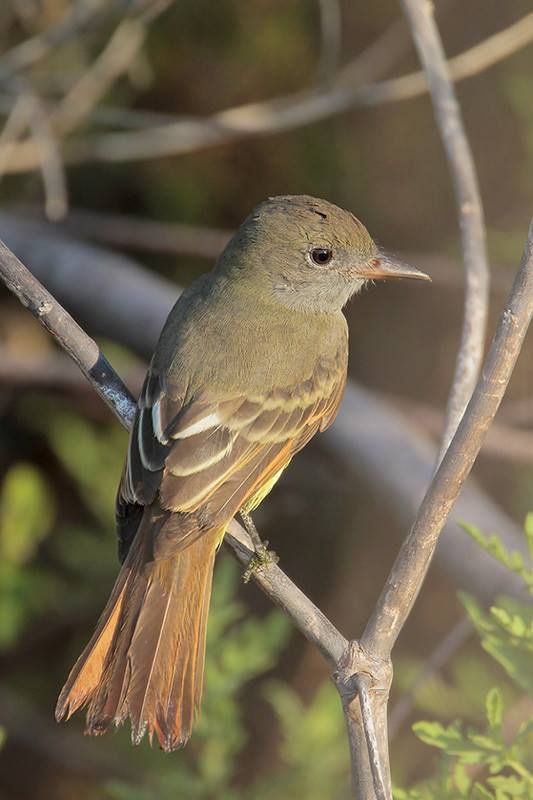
(107, 138)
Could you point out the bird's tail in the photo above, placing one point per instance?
(145, 660)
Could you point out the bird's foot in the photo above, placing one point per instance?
(262, 557)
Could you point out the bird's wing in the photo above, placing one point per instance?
(196, 464)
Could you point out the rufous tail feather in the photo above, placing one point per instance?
(145, 660)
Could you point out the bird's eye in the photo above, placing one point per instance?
(321, 255)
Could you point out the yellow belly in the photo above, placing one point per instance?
(259, 496)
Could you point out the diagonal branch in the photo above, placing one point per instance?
(376, 445)
(366, 716)
(81, 15)
(87, 355)
(413, 560)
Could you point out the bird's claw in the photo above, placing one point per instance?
(261, 558)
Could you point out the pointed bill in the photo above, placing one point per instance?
(382, 266)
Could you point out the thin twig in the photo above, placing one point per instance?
(79, 17)
(293, 111)
(51, 162)
(377, 446)
(195, 134)
(372, 655)
(470, 211)
(80, 347)
(85, 352)
(116, 57)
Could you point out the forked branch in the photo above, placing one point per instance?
(371, 657)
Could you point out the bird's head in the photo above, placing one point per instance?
(308, 254)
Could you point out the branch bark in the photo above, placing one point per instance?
(375, 445)
(415, 554)
(409, 570)
(362, 669)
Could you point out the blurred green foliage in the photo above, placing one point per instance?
(480, 759)
(493, 762)
(57, 549)
(26, 516)
(235, 655)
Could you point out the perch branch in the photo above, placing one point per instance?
(85, 352)
(377, 447)
(370, 658)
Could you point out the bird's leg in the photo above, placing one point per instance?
(262, 555)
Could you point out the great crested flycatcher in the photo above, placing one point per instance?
(251, 363)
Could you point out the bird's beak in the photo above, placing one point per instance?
(381, 267)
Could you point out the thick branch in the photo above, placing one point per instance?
(411, 565)
(372, 656)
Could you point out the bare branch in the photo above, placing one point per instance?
(80, 347)
(412, 562)
(309, 620)
(375, 444)
(80, 16)
(52, 168)
(284, 113)
(113, 61)
(85, 352)
(295, 110)
(470, 211)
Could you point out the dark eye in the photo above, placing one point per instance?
(321, 255)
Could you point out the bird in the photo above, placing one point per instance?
(250, 365)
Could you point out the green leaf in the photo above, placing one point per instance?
(528, 530)
(493, 545)
(494, 708)
(462, 780)
(481, 793)
(26, 513)
(511, 785)
(436, 735)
